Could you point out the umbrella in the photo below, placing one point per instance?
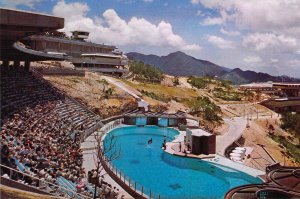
(237, 151)
(240, 148)
(235, 155)
(236, 158)
(24, 152)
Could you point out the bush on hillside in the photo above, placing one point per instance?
(291, 122)
(228, 95)
(155, 96)
(205, 107)
(199, 82)
(146, 72)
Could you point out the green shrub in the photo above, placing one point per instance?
(155, 96)
(291, 148)
(291, 122)
(199, 82)
(228, 95)
(205, 107)
(145, 71)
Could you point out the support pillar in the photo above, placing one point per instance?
(16, 64)
(5, 64)
(27, 65)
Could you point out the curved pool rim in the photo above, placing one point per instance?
(214, 164)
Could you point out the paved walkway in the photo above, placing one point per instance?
(172, 148)
(89, 159)
(237, 126)
(134, 93)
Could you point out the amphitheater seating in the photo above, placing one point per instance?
(39, 118)
(66, 184)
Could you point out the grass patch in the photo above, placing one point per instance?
(162, 98)
(292, 149)
(74, 80)
(226, 94)
(199, 82)
(158, 89)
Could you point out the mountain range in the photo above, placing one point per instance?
(181, 64)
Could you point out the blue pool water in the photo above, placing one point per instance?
(168, 175)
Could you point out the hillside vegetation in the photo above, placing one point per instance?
(291, 123)
(145, 72)
(96, 93)
(181, 64)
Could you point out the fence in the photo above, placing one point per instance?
(40, 185)
(111, 125)
(133, 188)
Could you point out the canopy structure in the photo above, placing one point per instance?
(159, 119)
(16, 25)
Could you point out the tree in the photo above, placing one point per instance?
(176, 81)
(107, 150)
(204, 106)
(291, 122)
(145, 71)
(199, 82)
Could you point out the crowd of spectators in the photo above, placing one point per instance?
(42, 135)
(106, 189)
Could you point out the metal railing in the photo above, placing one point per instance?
(40, 184)
(111, 125)
(138, 188)
(134, 186)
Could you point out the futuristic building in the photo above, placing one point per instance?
(285, 96)
(27, 36)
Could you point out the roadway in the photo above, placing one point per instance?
(237, 126)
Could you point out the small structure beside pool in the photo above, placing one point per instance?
(201, 142)
(142, 118)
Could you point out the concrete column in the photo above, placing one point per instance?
(5, 64)
(16, 64)
(27, 65)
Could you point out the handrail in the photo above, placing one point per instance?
(133, 188)
(43, 182)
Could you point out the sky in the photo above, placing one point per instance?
(259, 35)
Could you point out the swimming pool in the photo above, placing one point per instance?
(168, 175)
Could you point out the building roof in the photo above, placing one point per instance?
(16, 24)
(258, 85)
(199, 132)
(101, 55)
(140, 113)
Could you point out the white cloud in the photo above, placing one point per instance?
(274, 60)
(229, 33)
(15, 3)
(261, 41)
(148, 1)
(252, 60)
(209, 21)
(295, 63)
(200, 13)
(195, 1)
(258, 15)
(112, 29)
(220, 42)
